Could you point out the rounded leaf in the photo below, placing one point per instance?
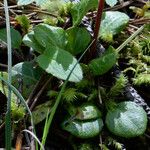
(103, 64)
(111, 2)
(127, 120)
(60, 63)
(87, 112)
(113, 23)
(84, 129)
(16, 38)
(41, 111)
(78, 40)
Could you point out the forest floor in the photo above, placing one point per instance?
(40, 89)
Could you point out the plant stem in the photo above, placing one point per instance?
(9, 48)
(97, 27)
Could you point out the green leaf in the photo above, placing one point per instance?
(48, 35)
(142, 78)
(4, 88)
(30, 41)
(17, 112)
(41, 111)
(55, 59)
(56, 7)
(26, 2)
(15, 37)
(127, 120)
(118, 87)
(113, 23)
(85, 146)
(24, 22)
(45, 35)
(79, 10)
(103, 64)
(84, 129)
(59, 63)
(111, 2)
(87, 123)
(86, 112)
(40, 2)
(78, 40)
(27, 71)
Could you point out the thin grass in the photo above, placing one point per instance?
(35, 137)
(8, 130)
(51, 116)
(17, 93)
(130, 39)
(9, 50)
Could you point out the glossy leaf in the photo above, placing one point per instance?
(59, 63)
(87, 112)
(79, 10)
(84, 129)
(78, 40)
(127, 120)
(103, 64)
(111, 2)
(48, 35)
(27, 71)
(87, 121)
(26, 2)
(16, 38)
(30, 41)
(45, 35)
(55, 59)
(113, 22)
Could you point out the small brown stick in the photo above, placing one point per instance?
(32, 22)
(19, 142)
(10, 7)
(2, 125)
(131, 32)
(3, 65)
(42, 12)
(141, 1)
(31, 14)
(140, 21)
(132, 26)
(39, 94)
(29, 100)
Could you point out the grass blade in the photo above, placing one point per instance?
(35, 137)
(9, 50)
(130, 39)
(17, 93)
